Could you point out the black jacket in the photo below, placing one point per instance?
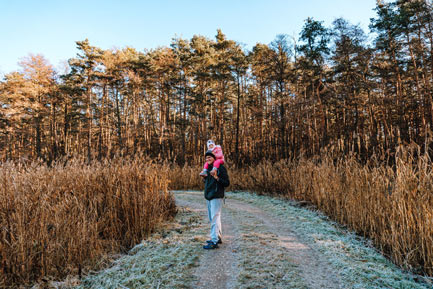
(214, 189)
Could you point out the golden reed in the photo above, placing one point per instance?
(59, 220)
(55, 221)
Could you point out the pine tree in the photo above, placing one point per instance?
(86, 70)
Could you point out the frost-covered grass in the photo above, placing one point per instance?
(166, 260)
(359, 265)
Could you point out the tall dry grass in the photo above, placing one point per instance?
(185, 177)
(56, 221)
(393, 206)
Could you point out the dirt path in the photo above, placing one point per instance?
(218, 273)
(267, 243)
(250, 227)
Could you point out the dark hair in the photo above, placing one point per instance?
(209, 153)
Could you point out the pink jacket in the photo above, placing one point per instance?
(218, 152)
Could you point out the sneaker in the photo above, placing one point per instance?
(210, 246)
(203, 173)
(210, 241)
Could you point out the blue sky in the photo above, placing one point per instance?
(51, 27)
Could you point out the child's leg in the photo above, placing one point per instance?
(217, 163)
(205, 170)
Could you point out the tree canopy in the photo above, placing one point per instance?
(330, 88)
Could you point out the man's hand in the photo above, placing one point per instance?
(214, 174)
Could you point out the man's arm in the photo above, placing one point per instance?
(222, 177)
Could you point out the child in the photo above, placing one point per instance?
(216, 150)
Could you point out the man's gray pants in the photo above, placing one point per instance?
(214, 212)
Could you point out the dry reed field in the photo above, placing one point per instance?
(61, 220)
(393, 206)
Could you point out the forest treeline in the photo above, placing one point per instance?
(332, 87)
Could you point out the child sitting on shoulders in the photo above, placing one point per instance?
(217, 151)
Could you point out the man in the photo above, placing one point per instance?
(214, 195)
